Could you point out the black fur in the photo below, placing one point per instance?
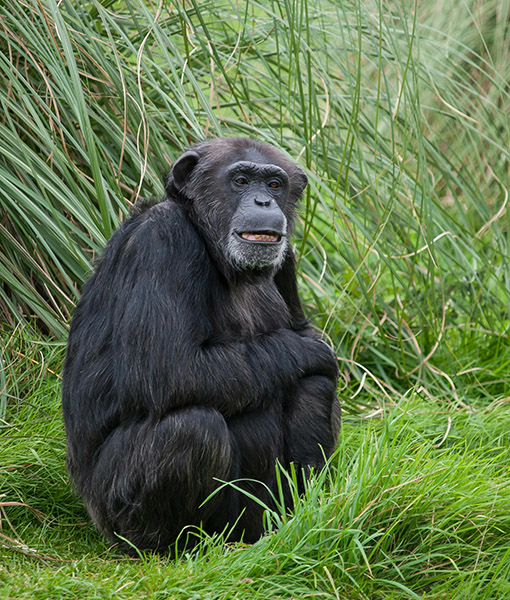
(185, 367)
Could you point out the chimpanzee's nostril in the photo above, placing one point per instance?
(263, 201)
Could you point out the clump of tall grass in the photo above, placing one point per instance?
(398, 113)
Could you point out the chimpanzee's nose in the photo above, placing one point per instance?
(262, 200)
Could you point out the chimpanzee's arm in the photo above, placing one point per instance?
(150, 297)
(285, 280)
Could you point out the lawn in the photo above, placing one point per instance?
(399, 113)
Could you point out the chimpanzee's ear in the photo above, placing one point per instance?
(299, 182)
(182, 169)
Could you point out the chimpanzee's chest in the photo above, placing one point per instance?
(248, 308)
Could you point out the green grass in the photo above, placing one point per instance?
(398, 111)
(415, 506)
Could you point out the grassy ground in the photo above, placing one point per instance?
(415, 506)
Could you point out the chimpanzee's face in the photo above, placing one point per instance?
(257, 237)
(245, 197)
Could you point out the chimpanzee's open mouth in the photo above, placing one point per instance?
(265, 237)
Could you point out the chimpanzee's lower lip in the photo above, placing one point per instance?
(260, 237)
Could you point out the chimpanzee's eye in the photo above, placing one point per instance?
(241, 180)
(274, 184)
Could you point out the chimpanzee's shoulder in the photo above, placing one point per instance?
(167, 226)
(142, 205)
(161, 216)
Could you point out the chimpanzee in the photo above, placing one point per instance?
(190, 361)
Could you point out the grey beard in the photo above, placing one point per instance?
(250, 255)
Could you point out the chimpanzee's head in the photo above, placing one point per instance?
(241, 194)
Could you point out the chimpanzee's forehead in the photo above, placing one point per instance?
(263, 169)
(258, 154)
(227, 151)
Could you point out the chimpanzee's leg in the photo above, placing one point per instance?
(150, 478)
(311, 422)
(257, 444)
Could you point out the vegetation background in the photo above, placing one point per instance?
(399, 112)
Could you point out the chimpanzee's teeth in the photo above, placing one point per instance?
(259, 237)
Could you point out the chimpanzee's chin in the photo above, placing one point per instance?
(252, 255)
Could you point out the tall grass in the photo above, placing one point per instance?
(397, 111)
